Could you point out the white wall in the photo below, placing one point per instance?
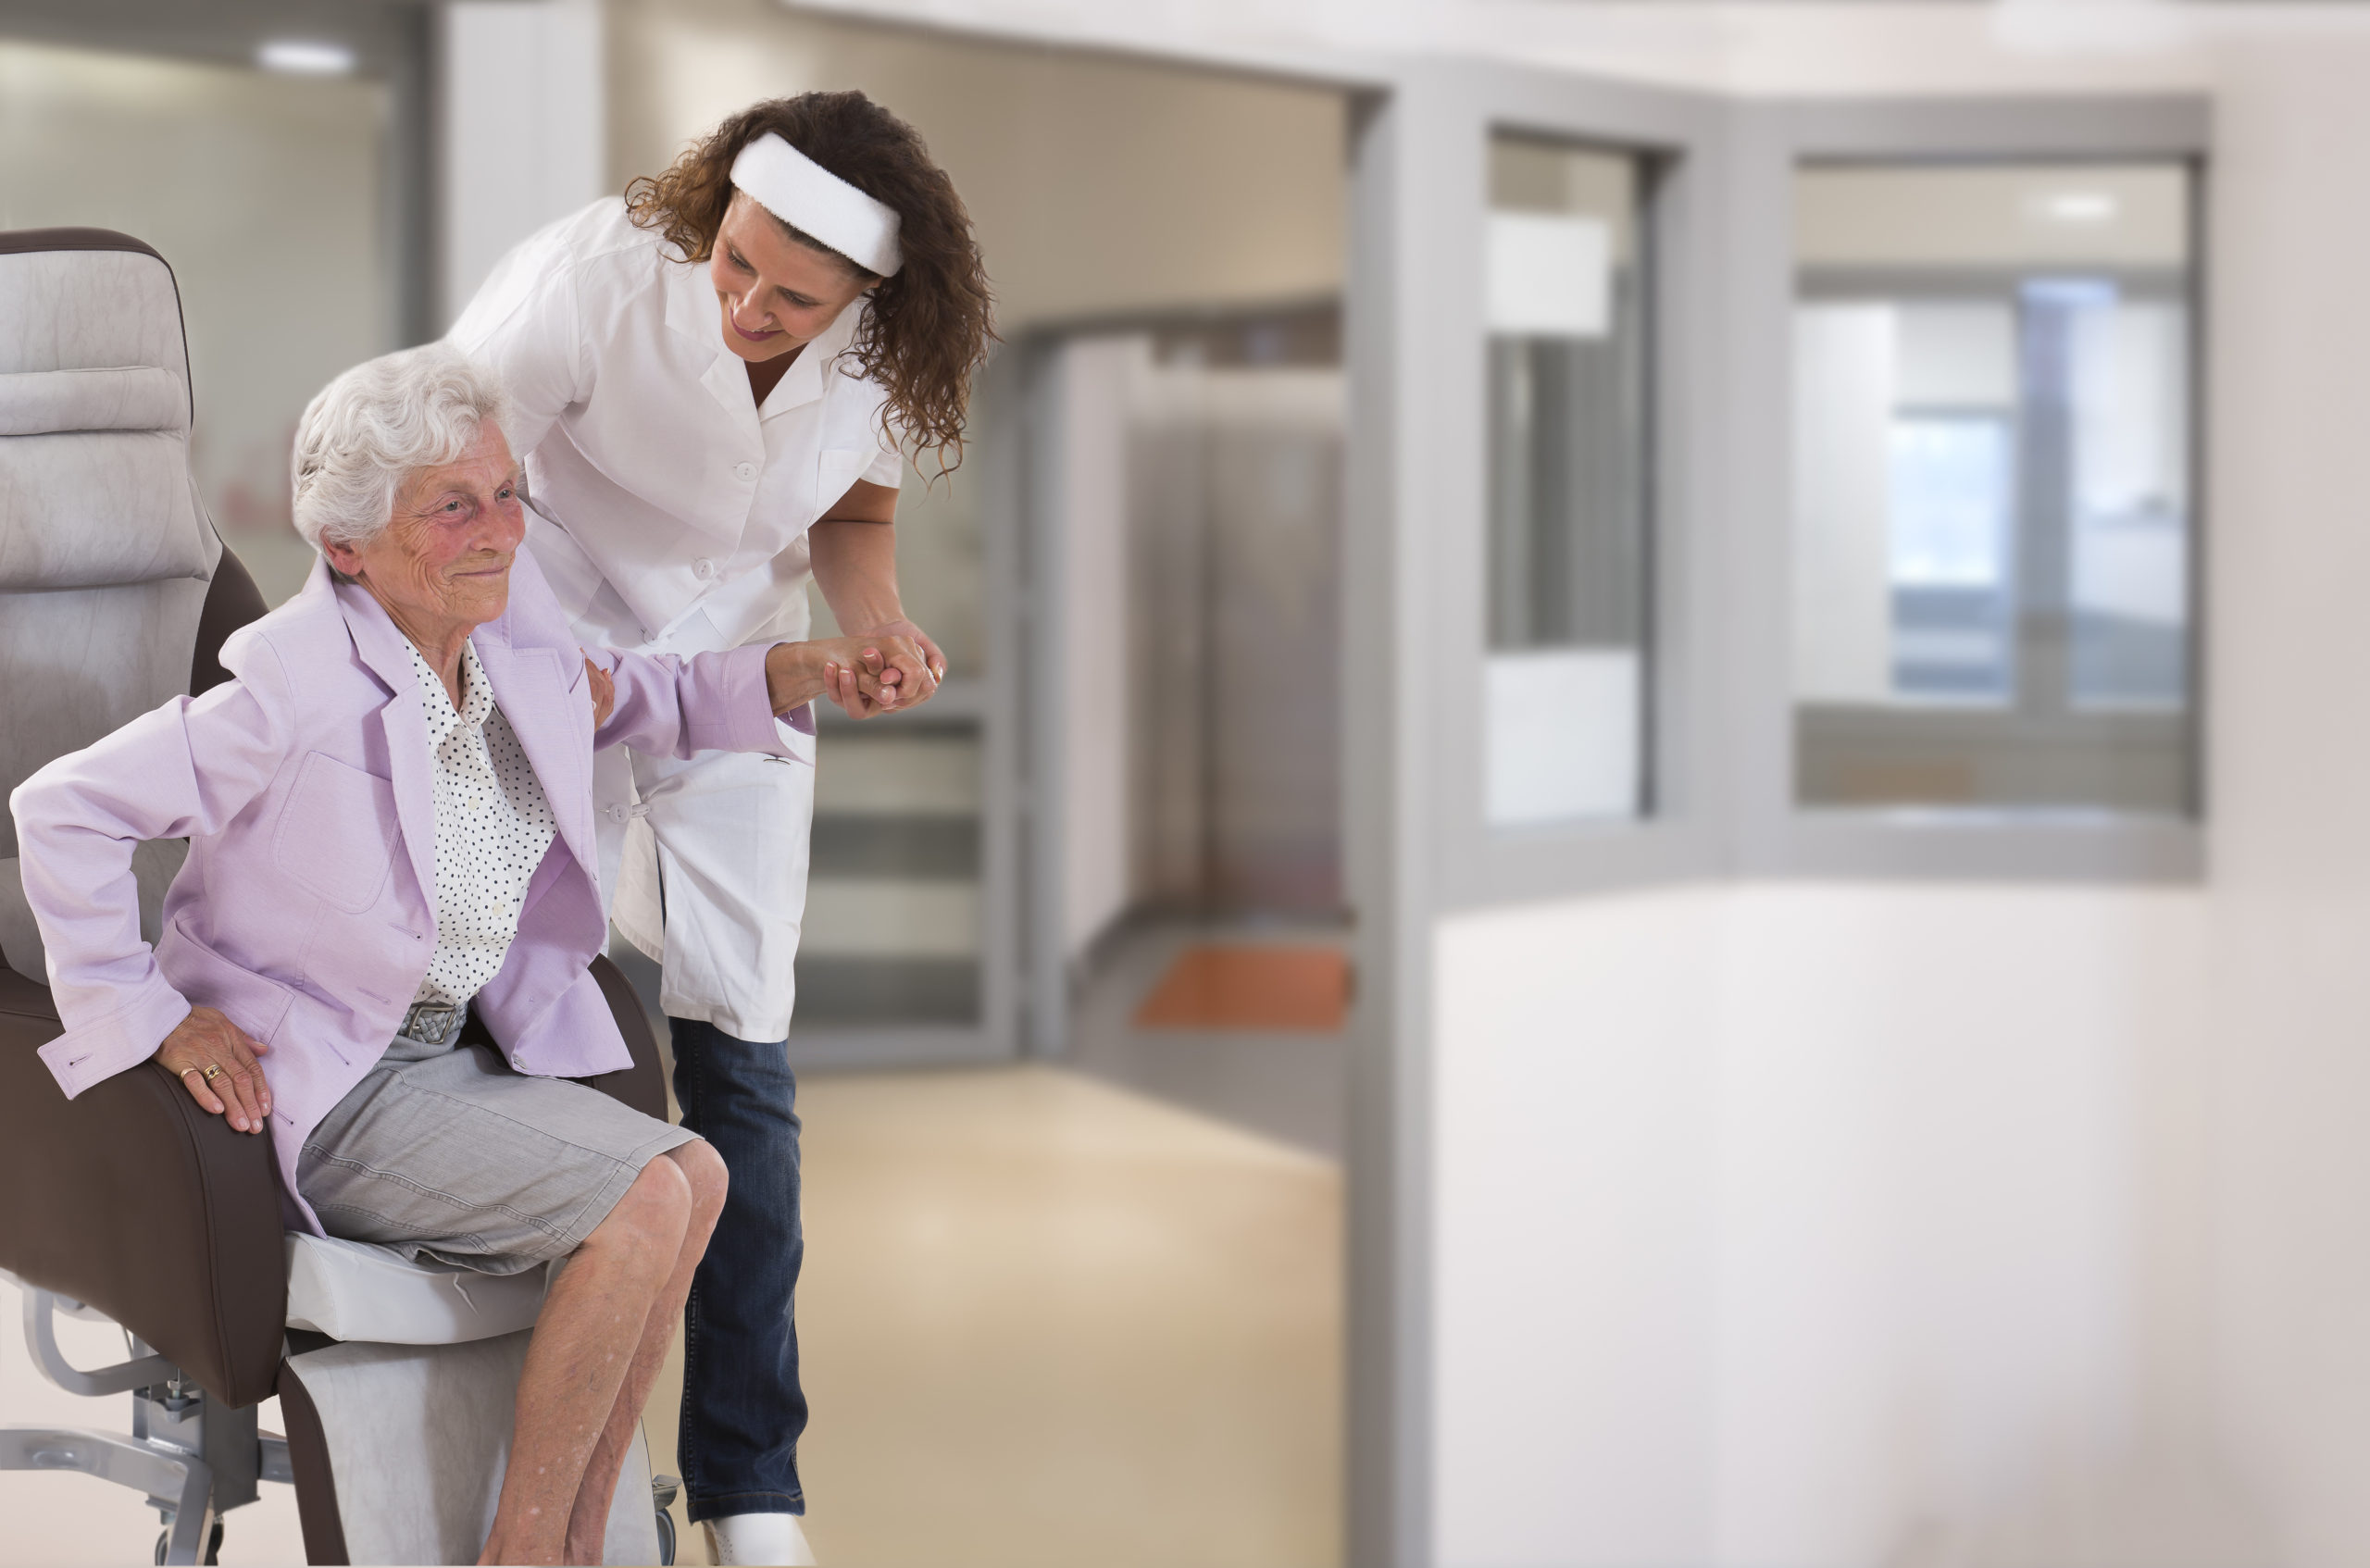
(2291, 659)
(1577, 1057)
(1768, 47)
(1097, 185)
(524, 137)
(1826, 1226)
(1088, 553)
(1861, 1225)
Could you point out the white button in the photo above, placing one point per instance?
(619, 813)
(702, 569)
(746, 470)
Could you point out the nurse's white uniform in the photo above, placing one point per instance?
(671, 515)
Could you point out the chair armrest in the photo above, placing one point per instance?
(132, 1199)
(643, 1085)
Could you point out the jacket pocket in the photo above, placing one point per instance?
(336, 834)
(257, 1003)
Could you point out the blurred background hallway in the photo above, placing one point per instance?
(1646, 842)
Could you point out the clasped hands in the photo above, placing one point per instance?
(891, 667)
(894, 667)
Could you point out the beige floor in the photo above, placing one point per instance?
(1045, 1322)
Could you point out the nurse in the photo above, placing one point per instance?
(713, 377)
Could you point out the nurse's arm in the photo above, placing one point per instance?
(852, 548)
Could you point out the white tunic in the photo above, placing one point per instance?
(670, 515)
(640, 437)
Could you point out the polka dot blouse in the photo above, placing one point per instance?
(492, 829)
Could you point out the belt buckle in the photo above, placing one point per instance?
(430, 1024)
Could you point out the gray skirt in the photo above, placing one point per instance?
(444, 1153)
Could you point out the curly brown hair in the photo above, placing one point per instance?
(926, 328)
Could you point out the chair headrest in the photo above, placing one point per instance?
(95, 415)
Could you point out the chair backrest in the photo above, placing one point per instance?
(106, 554)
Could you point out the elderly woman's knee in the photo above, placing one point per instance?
(664, 1187)
(650, 1217)
(702, 1167)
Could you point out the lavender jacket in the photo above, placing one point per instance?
(307, 910)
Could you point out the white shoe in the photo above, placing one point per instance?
(773, 1540)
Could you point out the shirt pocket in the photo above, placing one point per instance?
(336, 835)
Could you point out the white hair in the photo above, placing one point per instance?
(377, 424)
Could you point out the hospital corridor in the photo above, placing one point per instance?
(1047, 1300)
(1252, 784)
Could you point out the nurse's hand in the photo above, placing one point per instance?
(908, 682)
(880, 678)
(933, 658)
(865, 675)
(885, 672)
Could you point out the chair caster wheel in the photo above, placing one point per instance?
(662, 1492)
(213, 1543)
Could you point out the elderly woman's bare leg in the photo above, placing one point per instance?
(589, 1523)
(583, 1349)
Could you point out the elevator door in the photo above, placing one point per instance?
(1236, 743)
(1193, 542)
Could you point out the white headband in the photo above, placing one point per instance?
(809, 197)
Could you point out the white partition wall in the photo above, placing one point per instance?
(1739, 1187)
(2290, 761)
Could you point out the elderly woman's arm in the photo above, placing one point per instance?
(664, 706)
(187, 767)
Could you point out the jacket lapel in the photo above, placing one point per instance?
(529, 689)
(404, 722)
(404, 725)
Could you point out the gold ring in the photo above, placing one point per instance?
(213, 1071)
(187, 1071)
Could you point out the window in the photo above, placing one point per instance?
(1991, 487)
(1565, 700)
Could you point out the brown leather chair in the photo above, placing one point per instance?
(129, 1202)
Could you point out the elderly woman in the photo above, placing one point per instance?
(390, 817)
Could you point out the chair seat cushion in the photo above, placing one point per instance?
(352, 1290)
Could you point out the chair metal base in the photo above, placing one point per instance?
(195, 1457)
(179, 1484)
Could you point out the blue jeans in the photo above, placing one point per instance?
(742, 1408)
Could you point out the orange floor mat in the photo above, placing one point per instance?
(1251, 988)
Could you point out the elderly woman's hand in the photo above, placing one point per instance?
(216, 1062)
(605, 692)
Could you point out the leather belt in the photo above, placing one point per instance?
(433, 1024)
